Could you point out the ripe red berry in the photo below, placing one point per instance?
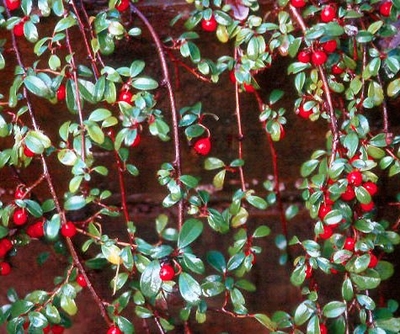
(349, 194)
(385, 8)
(36, 230)
(122, 6)
(298, 3)
(367, 207)
(68, 230)
(125, 96)
(323, 329)
(232, 76)
(328, 14)
(330, 46)
(19, 192)
(5, 247)
(28, 153)
(318, 58)
(327, 233)
(13, 4)
(324, 209)
(373, 261)
(47, 329)
(136, 142)
(249, 88)
(57, 329)
(114, 330)
(209, 25)
(303, 113)
(371, 187)
(20, 216)
(304, 57)
(18, 29)
(308, 271)
(167, 272)
(61, 93)
(80, 279)
(336, 69)
(5, 269)
(203, 146)
(349, 244)
(355, 178)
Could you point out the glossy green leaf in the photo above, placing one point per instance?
(189, 288)
(190, 231)
(150, 281)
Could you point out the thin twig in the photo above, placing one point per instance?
(171, 96)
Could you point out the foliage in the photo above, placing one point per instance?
(344, 61)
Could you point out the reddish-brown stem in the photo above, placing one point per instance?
(171, 96)
(275, 167)
(85, 40)
(240, 130)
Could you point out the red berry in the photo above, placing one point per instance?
(28, 153)
(36, 230)
(324, 209)
(114, 330)
(327, 233)
(47, 329)
(323, 329)
(336, 69)
(308, 271)
(80, 279)
(318, 58)
(304, 56)
(330, 46)
(5, 269)
(232, 76)
(367, 207)
(13, 4)
(349, 244)
(371, 187)
(209, 25)
(373, 261)
(355, 178)
(68, 230)
(203, 146)
(61, 93)
(57, 329)
(304, 113)
(349, 194)
(248, 88)
(19, 192)
(136, 142)
(123, 5)
(20, 216)
(385, 8)
(5, 247)
(18, 29)
(125, 96)
(328, 14)
(167, 272)
(298, 3)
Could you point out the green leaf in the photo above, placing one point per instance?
(74, 203)
(369, 279)
(21, 307)
(261, 231)
(393, 88)
(334, 309)
(257, 202)
(144, 83)
(190, 231)
(189, 181)
(219, 179)
(304, 312)
(217, 261)
(347, 290)
(150, 281)
(189, 288)
(37, 86)
(213, 163)
(68, 305)
(64, 23)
